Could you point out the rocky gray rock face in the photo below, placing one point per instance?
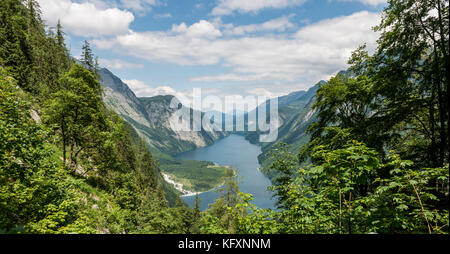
(152, 118)
(295, 116)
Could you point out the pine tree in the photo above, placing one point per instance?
(87, 58)
(60, 34)
(197, 207)
(161, 197)
(14, 49)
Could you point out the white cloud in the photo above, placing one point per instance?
(367, 2)
(201, 29)
(226, 7)
(279, 24)
(117, 64)
(226, 77)
(343, 31)
(181, 45)
(314, 52)
(141, 89)
(240, 77)
(139, 6)
(86, 19)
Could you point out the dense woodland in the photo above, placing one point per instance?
(377, 161)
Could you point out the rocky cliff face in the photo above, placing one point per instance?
(152, 118)
(295, 116)
(294, 113)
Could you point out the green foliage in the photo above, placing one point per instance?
(80, 169)
(88, 60)
(410, 75)
(40, 195)
(32, 56)
(252, 220)
(241, 217)
(347, 110)
(34, 190)
(195, 175)
(233, 213)
(76, 112)
(408, 201)
(108, 181)
(220, 209)
(283, 162)
(396, 99)
(345, 191)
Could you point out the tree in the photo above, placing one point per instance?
(35, 194)
(87, 57)
(253, 220)
(14, 49)
(114, 185)
(63, 60)
(28, 50)
(197, 207)
(60, 35)
(349, 190)
(410, 72)
(75, 111)
(284, 163)
(408, 201)
(220, 209)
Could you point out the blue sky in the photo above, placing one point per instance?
(225, 47)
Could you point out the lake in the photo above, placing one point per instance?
(237, 152)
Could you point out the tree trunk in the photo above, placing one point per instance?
(444, 44)
(442, 131)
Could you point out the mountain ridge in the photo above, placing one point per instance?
(151, 118)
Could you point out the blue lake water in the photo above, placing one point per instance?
(237, 152)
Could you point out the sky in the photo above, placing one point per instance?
(225, 47)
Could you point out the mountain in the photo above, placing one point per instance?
(152, 118)
(288, 99)
(295, 114)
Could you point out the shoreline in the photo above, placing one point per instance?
(179, 186)
(186, 193)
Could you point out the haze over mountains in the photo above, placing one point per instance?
(150, 117)
(295, 114)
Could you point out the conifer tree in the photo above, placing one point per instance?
(87, 58)
(197, 207)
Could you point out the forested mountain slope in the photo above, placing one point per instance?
(378, 155)
(295, 115)
(67, 163)
(151, 119)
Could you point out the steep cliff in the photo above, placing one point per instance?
(152, 118)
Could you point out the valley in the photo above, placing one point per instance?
(191, 161)
(149, 119)
(336, 115)
(242, 156)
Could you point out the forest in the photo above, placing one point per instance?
(377, 160)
